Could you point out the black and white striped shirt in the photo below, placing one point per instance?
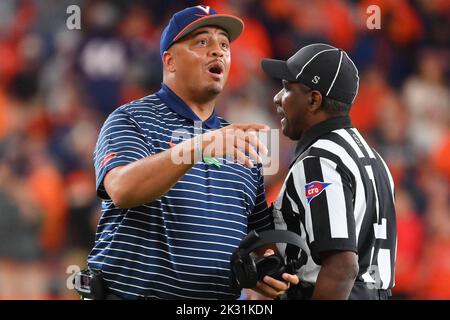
(339, 195)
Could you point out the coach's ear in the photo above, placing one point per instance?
(168, 61)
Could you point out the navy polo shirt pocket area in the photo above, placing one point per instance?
(121, 141)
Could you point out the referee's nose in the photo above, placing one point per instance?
(277, 99)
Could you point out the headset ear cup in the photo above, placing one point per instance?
(278, 272)
(243, 271)
(272, 266)
(237, 269)
(251, 274)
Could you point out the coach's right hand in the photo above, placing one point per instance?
(273, 288)
(235, 141)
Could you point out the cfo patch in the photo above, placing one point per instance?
(313, 189)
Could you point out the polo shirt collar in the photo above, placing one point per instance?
(176, 104)
(315, 132)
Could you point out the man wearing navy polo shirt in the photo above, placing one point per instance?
(168, 227)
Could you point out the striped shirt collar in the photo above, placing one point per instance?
(315, 132)
(176, 104)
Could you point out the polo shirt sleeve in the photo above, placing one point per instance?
(260, 218)
(120, 142)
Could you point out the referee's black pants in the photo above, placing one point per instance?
(360, 291)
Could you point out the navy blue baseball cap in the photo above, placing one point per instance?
(185, 21)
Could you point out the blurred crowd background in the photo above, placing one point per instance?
(57, 86)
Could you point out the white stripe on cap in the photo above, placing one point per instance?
(357, 76)
(315, 44)
(335, 76)
(313, 57)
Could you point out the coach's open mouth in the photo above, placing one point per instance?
(215, 68)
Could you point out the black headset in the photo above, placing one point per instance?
(247, 268)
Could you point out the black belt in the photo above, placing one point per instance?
(360, 291)
(111, 296)
(91, 285)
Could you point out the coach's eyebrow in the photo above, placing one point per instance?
(225, 34)
(199, 32)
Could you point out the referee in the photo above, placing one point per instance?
(338, 195)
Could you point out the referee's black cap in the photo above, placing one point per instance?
(320, 67)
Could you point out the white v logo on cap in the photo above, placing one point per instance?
(205, 9)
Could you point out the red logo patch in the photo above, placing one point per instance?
(313, 189)
(108, 157)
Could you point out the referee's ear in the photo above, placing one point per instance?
(168, 61)
(315, 101)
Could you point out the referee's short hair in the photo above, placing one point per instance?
(335, 107)
(332, 106)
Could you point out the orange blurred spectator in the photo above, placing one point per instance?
(440, 158)
(10, 60)
(279, 10)
(46, 185)
(3, 115)
(435, 267)
(132, 92)
(248, 50)
(373, 89)
(435, 279)
(410, 235)
(330, 19)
